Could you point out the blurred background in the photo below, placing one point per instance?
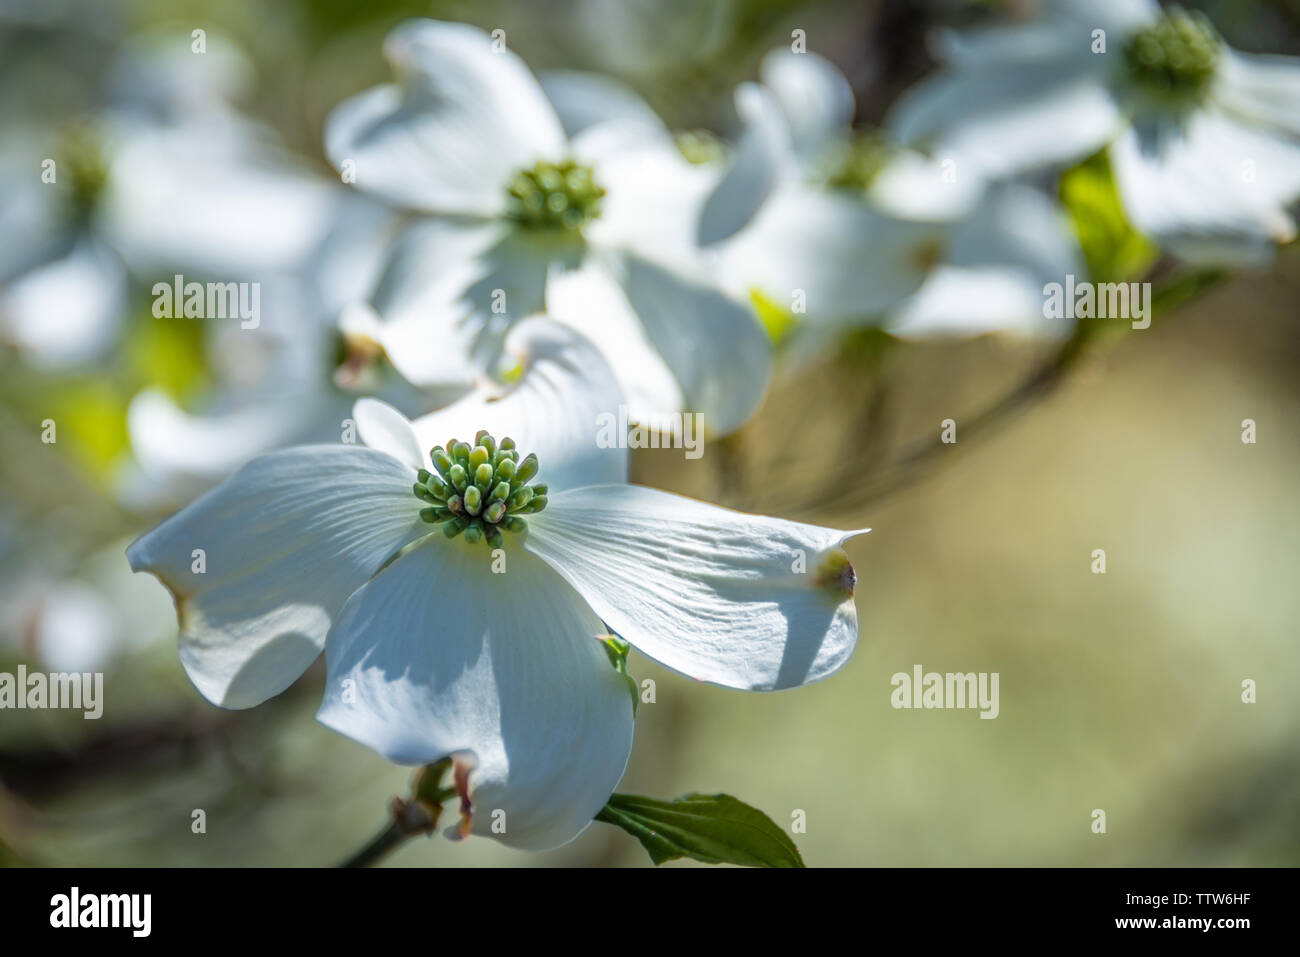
(1119, 691)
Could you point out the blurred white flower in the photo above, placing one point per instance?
(1204, 141)
(171, 179)
(117, 199)
(853, 229)
(436, 645)
(990, 269)
(649, 36)
(84, 618)
(63, 291)
(593, 223)
(271, 386)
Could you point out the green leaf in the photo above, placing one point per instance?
(713, 828)
(1113, 249)
(168, 354)
(616, 648)
(91, 413)
(775, 318)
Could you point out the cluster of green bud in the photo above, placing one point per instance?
(480, 490)
(1174, 59)
(861, 161)
(555, 196)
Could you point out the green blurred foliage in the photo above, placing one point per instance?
(1112, 248)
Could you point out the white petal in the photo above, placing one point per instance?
(382, 427)
(450, 292)
(285, 541)
(349, 262)
(969, 301)
(67, 311)
(759, 160)
(204, 448)
(461, 121)
(1056, 31)
(1002, 119)
(584, 100)
(737, 600)
(914, 186)
(176, 201)
(653, 194)
(814, 96)
(996, 263)
(833, 251)
(1261, 89)
(1213, 192)
(438, 655)
(713, 344)
(1020, 227)
(675, 341)
(590, 300)
(554, 410)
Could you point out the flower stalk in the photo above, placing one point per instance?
(417, 815)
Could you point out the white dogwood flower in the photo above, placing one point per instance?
(465, 607)
(593, 225)
(856, 229)
(1204, 140)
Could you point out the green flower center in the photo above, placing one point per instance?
(554, 196)
(480, 490)
(860, 163)
(700, 147)
(1174, 59)
(82, 163)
